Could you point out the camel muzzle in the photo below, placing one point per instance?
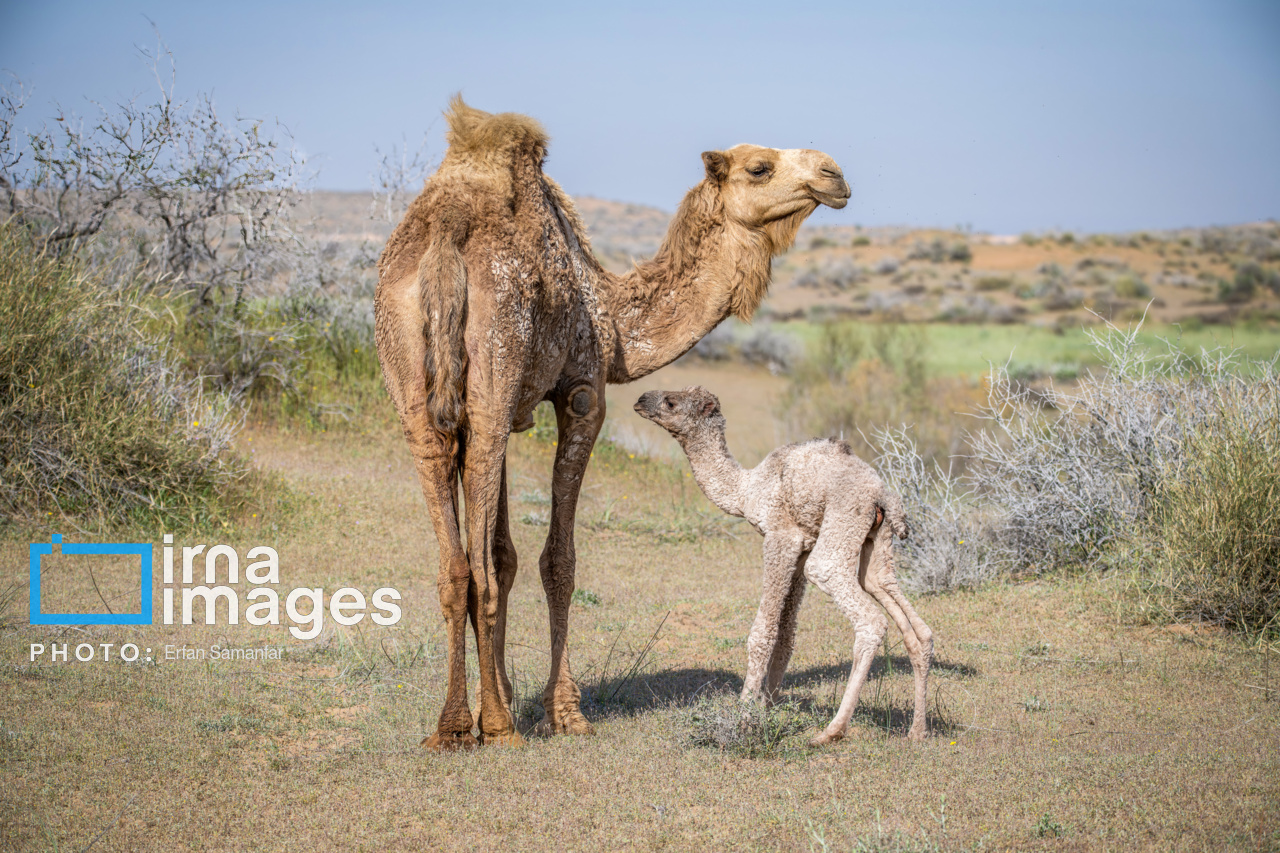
(835, 195)
(647, 405)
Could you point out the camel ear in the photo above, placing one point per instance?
(710, 407)
(717, 165)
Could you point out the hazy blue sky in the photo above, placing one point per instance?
(1009, 116)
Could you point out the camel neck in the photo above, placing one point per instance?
(717, 473)
(706, 269)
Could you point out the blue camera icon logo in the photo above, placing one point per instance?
(141, 549)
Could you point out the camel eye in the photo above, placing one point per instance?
(670, 404)
(759, 170)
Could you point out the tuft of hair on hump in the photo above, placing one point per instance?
(476, 132)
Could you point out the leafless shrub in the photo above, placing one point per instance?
(939, 251)
(773, 349)
(975, 308)
(952, 543)
(887, 266)
(1057, 297)
(1073, 479)
(398, 179)
(763, 345)
(202, 201)
(720, 344)
(840, 273)
(721, 721)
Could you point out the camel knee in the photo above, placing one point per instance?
(871, 631)
(925, 635)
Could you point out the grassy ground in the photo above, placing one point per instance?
(1056, 725)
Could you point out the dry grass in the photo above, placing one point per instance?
(1056, 726)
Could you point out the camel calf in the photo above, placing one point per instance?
(820, 509)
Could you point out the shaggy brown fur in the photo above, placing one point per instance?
(489, 301)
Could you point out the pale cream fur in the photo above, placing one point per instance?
(820, 509)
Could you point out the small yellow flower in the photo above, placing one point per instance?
(195, 424)
(961, 541)
(953, 743)
(272, 338)
(632, 456)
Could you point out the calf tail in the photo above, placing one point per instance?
(891, 505)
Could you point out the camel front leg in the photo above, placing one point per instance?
(579, 415)
(786, 642)
(781, 560)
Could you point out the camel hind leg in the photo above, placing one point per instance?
(482, 483)
(402, 352)
(504, 556)
(879, 579)
(833, 567)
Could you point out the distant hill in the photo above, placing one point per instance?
(1195, 274)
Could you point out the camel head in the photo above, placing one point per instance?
(775, 189)
(682, 412)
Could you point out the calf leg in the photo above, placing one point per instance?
(833, 567)
(881, 582)
(781, 554)
(786, 642)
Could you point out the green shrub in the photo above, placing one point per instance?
(1130, 286)
(993, 282)
(1250, 277)
(1211, 552)
(97, 423)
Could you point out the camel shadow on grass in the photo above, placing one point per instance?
(630, 695)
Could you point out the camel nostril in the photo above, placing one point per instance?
(832, 173)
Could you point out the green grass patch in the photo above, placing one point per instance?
(969, 350)
(98, 424)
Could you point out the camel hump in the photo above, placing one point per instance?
(478, 134)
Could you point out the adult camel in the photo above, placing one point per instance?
(490, 301)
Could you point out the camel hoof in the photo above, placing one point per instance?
(449, 742)
(511, 738)
(569, 723)
(824, 739)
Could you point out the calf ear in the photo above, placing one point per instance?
(717, 165)
(710, 407)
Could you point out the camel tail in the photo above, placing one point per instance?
(891, 504)
(442, 284)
